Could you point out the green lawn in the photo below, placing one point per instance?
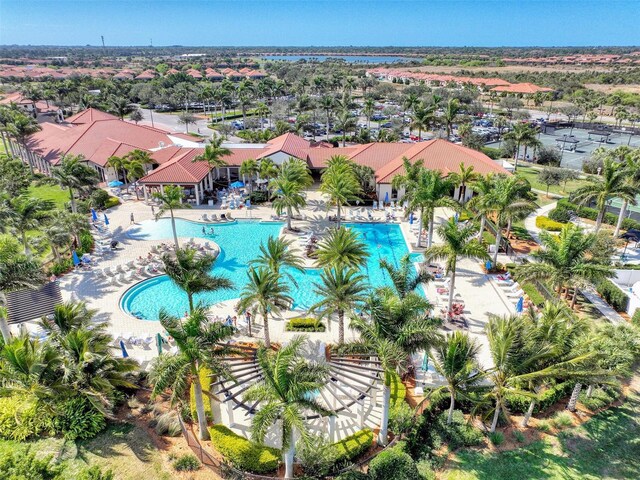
(125, 449)
(605, 447)
(50, 192)
(531, 174)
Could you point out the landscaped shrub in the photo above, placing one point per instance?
(168, 424)
(613, 295)
(22, 417)
(86, 242)
(458, 433)
(112, 202)
(76, 419)
(22, 463)
(305, 325)
(492, 153)
(561, 214)
(95, 473)
(544, 426)
(354, 445)
(242, 453)
(545, 223)
(317, 457)
(352, 475)
(534, 295)
(519, 436)
(258, 197)
(205, 381)
(61, 267)
(186, 463)
(497, 438)
(546, 399)
(548, 156)
(400, 417)
(636, 318)
(562, 420)
(99, 198)
(398, 390)
(600, 397)
(394, 464)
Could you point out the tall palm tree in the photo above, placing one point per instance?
(368, 110)
(340, 290)
(458, 242)
(288, 196)
(75, 175)
(340, 183)
(135, 170)
(21, 127)
(191, 271)
(521, 134)
(631, 159)
(405, 278)
(422, 118)
(199, 346)
(171, 199)
(285, 393)
(345, 122)
(327, 104)
(456, 360)
(462, 178)
(117, 163)
(268, 169)
(57, 236)
(277, 254)
(481, 187)
(567, 260)
(266, 292)
(28, 213)
(611, 184)
(249, 168)
(450, 114)
(214, 154)
(395, 329)
(119, 105)
(342, 247)
(506, 202)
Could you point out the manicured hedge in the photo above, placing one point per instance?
(22, 417)
(613, 295)
(354, 445)
(205, 381)
(561, 214)
(305, 325)
(242, 453)
(636, 317)
(534, 295)
(398, 390)
(545, 223)
(395, 464)
(548, 398)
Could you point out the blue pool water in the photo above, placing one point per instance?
(240, 243)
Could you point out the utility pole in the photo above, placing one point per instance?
(102, 37)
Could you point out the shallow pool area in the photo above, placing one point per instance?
(239, 243)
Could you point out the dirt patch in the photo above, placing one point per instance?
(613, 88)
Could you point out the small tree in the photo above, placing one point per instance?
(550, 176)
(136, 116)
(567, 175)
(549, 156)
(186, 119)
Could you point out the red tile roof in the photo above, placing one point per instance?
(194, 73)
(90, 115)
(288, 143)
(180, 169)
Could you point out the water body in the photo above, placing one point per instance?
(346, 58)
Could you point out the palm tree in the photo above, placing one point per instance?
(507, 201)
(214, 154)
(278, 253)
(341, 248)
(345, 122)
(456, 360)
(567, 260)
(28, 213)
(249, 168)
(191, 271)
(521, 134)
(72, 173)
(199, 346)
(285, 393)
(611, 184)
(368, 110)
(58, 236)
(481, 187)
(341, 289)
(20, 127)
(425, 190)
(288, 197)
(120, 106)
(422, 118)
(135, 170)
(395, 329)
(450, 114)
(327, 104)
(458, 242)
(463, 177)
(171, 199)
(404, 277)
(117, 163)
(266, 292)
(268, 169)
(340, 183)
(631, 159)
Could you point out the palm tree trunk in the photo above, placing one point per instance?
(452, 287)
(267, 338)
(527, 416)
(430, 233)
(589, 391)
(173, 227)
(190, 297)
(600, 217)
(340, 326)
(384, 421)
(4, 329)
(496, 416)
(498, 240)
(571, 406)
(74, 208)
(483, 221)
(200, 413)
(327, 130)
(339, 214)
(289, 455)
(451, 408)
(623, 210)
(419, 244)
(54, 250)
(289, 218)
(515, 159)
(25, 244)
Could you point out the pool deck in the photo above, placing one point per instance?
(482, 296)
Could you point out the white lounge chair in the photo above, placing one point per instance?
(214, 217)
(517, 294)
(514, 287)
(205, 217)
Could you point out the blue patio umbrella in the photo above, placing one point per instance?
(247, 203)
(425, 362)
(411, 218)
(75, 258)
(386, 197)
(455, 217)
(237, 184)
(488, 265)
(115, 183)
(106, 219)
(124, 349)
(159, 343)
(94, 215)
(520, 305)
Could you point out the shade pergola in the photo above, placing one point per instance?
(27, 305)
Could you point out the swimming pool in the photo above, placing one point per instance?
(239, 243)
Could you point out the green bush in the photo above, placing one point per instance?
(562, 420)
(534, 295)
(242, 453)
(560, 214)
(99, 198)
(394, 464)
(305, 325)
(519, 436)
(112, 202)
(22, 464)
(86, 242)
(95, 473)
(352, 475)
(635, 320)
(546, 399)
(497, 438)
(354, 445)
(545, 223)
(76, 419)
(458, 433)
(186, 463)
(600, 397)
(317, 457)
(167, 424)
(22, 417)
(492, 153)
(398, 390)
(613, 295)
(258, 197)
(61, 267)
(400, 418)
(205, 381)
(544, 426)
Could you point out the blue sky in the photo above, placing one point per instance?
(321, 22)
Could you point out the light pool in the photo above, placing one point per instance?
(239, 243)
